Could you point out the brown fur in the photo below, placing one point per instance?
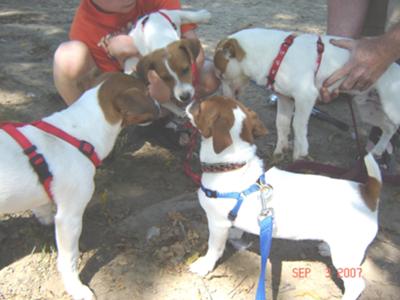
(370, 192)
(227, 48)
(214, 117)
(123, 97)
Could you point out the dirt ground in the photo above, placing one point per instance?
(141, 188)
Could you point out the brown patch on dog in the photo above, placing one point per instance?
(214, 117)
(226, 49)
(123, 97)
(180, 56)
(370, 192)
(253, 127)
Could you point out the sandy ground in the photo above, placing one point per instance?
(142, 188)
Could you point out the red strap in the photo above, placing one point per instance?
(278, 60)
(320, 51)
(86, 148)
(196, 178)
(36, 159)
(164, 15)
(169, 19)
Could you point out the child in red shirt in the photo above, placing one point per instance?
(99, 30)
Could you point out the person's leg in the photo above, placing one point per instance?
(376, 18)
(346, 18)
(72, 64)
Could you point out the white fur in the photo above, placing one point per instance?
(296, 79)
(182, 91)
(158, 31)
(72, 184)
(306, 207)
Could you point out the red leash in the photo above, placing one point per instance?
(196, 178)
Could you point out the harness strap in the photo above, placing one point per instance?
(169, 20)
(36, 159)
(239, 196)
(146, 18)
(320, 51)
(276, 63)
(84, 147)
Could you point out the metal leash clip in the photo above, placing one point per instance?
(266, 191)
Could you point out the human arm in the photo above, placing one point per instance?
(369, 59)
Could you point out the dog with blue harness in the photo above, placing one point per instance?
(236, 191)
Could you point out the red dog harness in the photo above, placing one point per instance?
(164, 15)
(276, 63)
(37, 160)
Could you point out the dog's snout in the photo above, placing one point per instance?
(185, 97)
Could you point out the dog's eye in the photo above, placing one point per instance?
(185, 71)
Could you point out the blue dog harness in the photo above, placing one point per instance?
(265, 220)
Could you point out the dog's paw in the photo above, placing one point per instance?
(202, 266)
(83, 293)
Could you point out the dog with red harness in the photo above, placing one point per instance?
(159, 29)
(48, 166)
(295, 66)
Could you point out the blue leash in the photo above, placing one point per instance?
(265, 221)
(266, 225)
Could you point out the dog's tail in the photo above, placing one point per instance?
(371, 190)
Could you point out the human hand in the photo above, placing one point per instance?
(122, 47)
(369, 58)
(159, 90)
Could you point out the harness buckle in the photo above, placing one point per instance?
(211, 194)
(29, 150)
(266, 191)
(232, 216)
(40, 166)
(86, 148)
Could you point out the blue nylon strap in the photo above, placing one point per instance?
(234, 195)
(265, 247)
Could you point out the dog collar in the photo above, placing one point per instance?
(221, 167)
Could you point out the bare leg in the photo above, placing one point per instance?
(72, 64)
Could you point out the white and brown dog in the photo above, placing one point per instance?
(305, 207)
(251, 53)
(173, 64)
(96, 117)
(159, 29)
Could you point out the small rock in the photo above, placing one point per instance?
(152, 233)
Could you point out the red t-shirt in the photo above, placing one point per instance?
(94, 27)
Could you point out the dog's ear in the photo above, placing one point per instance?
(191, 47)
(253, 127)
(145, 64)
(135, 107)
(220, 134)
(232, 49)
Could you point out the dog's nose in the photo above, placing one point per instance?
(185, 97)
